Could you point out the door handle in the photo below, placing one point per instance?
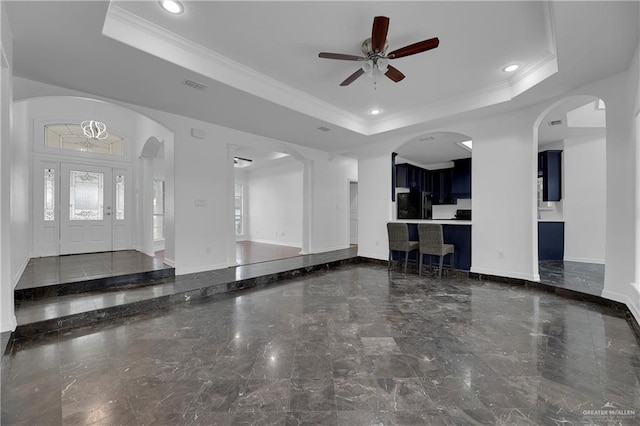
(108, 213)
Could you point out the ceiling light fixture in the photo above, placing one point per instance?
(375, 111)
(94, 129)
(511, 68)
(172, 6)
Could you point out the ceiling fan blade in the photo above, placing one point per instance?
(340, 56)
(352, 77)
(379, 33)
(394, 74)
(414, 48)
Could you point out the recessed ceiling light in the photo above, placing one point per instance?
(374, 111)
(172, 6)
(511, 68)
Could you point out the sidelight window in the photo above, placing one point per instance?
(239, 208)
(49, 194)
(158, 210)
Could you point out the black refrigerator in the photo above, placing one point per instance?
(414, 205)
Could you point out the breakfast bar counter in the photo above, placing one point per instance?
(456, 232)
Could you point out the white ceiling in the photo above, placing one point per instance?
(259, 59)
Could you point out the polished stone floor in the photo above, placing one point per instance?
(586, 278)
(53, 270)
(353, 346)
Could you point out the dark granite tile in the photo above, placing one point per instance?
(355, 345)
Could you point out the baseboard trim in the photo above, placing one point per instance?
(583, 260)
(169, 262)
(194, 270)
(277, 243)
(17, 277)
(504, 274)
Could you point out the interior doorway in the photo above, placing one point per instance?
(571, 194)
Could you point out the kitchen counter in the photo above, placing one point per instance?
(440, 221)
(456, 232)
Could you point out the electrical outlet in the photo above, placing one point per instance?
(500, 254)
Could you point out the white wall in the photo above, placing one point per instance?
(330, 225)
(7, 316)
(275, 208)
(585, 203)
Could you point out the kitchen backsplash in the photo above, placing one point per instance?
(448, 211)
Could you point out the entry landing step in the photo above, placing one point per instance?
(63, 275)
(64, 312)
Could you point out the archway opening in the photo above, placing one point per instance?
(268, 204)
(570, 140)
(438, 166)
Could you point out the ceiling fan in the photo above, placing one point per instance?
(375, 56)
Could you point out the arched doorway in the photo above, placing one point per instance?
(570, 141)
(85, 181)
(270, 203)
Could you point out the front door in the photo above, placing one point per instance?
(86, 209)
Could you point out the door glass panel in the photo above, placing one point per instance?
(49, 194)
(119, 197)
(86, 195)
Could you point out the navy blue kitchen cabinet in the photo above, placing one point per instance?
(550, 169)
(410, 176)
(459, 236)
(461, 179)
(550, 240)
(440, 186)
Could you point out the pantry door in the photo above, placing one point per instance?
(86, 218)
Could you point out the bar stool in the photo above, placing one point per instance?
(432, 243)
(399, 241)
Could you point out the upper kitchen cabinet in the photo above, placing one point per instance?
(461, 179)
(550, 170)
(409, 176)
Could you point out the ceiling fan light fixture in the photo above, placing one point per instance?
(383, 65)
(510, 68)
(367, 67)
(172, 6)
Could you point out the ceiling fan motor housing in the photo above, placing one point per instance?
(367, 47)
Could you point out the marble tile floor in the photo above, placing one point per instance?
(66, 311)
(587, 278)
(45, 271)
(351, 346)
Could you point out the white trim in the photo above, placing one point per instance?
(327, 249)
(584, 260)
(11, 326)
(196, 269)
(505, 274)
(130, 29)
(169, 262)
(16, 278)
(277, 243)
(374, 256)
(623, 298)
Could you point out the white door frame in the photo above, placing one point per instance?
(46, 233)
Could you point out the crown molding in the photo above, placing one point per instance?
(131, 29)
